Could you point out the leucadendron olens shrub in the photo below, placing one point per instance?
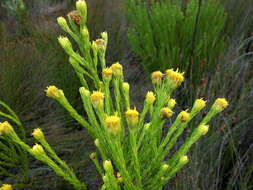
(134, 145)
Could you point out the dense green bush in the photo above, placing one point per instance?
(163, 35)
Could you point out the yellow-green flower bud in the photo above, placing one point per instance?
(82, 8)
(150, 98)
(220, 104)
(132, 117)
(146, 126)
(113, 125)
(94, 46)
(5, 128)
(117, 69)
(108, 165)
(126, 86)
(174, 77)
(105, 179)
(156, 77)
(84, 91)
(85, 33)
(184, 116)
(38, 149)
(104, 36)
(164, 167)
(166, 112)
(107, 74)
(171, 103)
(202, 129)
(119, 177)
(97, 99)
(93, 155)
(100, 44)
(65, 44)
(6, 187)
(53, 92)
(184, 160)
(38, 134)
(97, 143)
(198, 105)
(63, 23)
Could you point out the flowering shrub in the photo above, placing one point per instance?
(133, 145)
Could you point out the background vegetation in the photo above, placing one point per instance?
(31, 59)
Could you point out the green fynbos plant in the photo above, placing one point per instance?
(132, 144)
(164, 35)
(11, 155)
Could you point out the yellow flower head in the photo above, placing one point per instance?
(108, 165)
(203, 129)
(157, 77)
(97, 99)
(85, 33)
(184, 160)
(5, 128)
(117, 69)
(175, 77)
(132, 116)
(199, 104)
(53, 92)
(165, 167)
(166, 112)
(150, 98)
(65, 43)
(171, 103)
(96, 142)
(84, 91)
(220, 104)
(62, 23)
(119, 177)
(6, 187)
(125, 86)
(93, 155)
(38, 134)
(107, 74)
(38, 149)
(81, 7)
(112, 123)
(100, 44)
(184, 116)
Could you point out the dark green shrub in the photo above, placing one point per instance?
(163, 35)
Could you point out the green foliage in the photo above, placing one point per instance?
(163, 35)
(11, 155)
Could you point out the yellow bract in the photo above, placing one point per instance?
(112, 123)
(166, 112)
(5, 128)
(38, 134)
(157, 77)
(221, 103)
(184, 116)
(184, 160)
(107, 73)
(203, 129)
(38, 149)
(117, 69)
(132, 116)
(171, 103)
(6, 187)
(199, 104)
(175, 76)
(52, 92)
(150, 98)
(97, 98)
